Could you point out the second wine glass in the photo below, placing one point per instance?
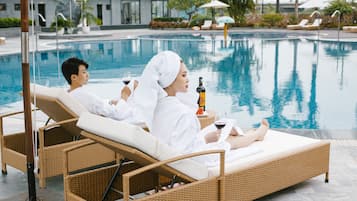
(220, 124)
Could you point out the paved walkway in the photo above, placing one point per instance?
(343, 161)
(342, 185)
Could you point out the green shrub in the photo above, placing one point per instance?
(168, 19)
(9, 22)
(160, 25)
(197, 20)
(61, 23)
(293, 19)
(272, 19)
(342, 6)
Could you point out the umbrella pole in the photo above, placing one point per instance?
(27, 99)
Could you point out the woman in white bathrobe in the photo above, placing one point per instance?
(173, 121)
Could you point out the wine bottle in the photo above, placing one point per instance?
(202, 96)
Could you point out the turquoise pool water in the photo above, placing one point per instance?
(290, 80)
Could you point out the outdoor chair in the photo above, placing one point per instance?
(219, 26)
(314, 26)
(352, 29)
(206, 25)
(301, 25)
(285, 160)
(53, 137)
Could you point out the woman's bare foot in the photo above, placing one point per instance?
(262, 130)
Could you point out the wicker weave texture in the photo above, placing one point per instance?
(90, 185)
(275, 175)
(207, 120)
(15, 142)
(50, 158)
(198, 191)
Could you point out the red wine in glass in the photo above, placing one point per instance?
(220, 124)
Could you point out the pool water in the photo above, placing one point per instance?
(292, 81)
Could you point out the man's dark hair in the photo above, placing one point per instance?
(71, 67)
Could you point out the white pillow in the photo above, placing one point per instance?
(62, 95)
(136, 137)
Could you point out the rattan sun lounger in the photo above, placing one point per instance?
(285, 160)
(352, 29)
(314, 26)
(52, 138)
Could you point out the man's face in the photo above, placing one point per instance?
(82, 77)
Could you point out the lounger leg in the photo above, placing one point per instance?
(326, 177)
(3, 168)
(42, 182)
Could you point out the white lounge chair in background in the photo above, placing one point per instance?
(350, 29)
(314, 26)
(219, 26)
(206, 25)
(302, 23)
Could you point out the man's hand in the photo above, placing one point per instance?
(125, 93)
(213, 136)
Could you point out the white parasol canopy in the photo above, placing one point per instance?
(320, 4)
(215, 4)
(225, 19)
(315, 4)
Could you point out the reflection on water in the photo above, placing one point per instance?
(294, 83)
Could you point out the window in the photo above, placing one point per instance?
(130, 12)
(108, 7)
(159, 8)
(16, 6)
(2, 6)
(32, 6)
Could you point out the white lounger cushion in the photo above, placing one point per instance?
(275, 143)
(136, 137)
(61, 95)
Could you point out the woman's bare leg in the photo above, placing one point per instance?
(251, 136)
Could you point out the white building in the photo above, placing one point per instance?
(286, 6)
(111, 12)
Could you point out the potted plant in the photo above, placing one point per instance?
(87, 17)
(61, 24)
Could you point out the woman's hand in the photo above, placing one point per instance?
(213, 136)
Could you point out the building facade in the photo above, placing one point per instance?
(110, 12)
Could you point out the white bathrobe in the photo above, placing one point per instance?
(94, 104)
(177, 125)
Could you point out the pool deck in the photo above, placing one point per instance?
(343, 155)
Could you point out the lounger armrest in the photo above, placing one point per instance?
(14, 113)
(59, 123)
(9, 114)
(127, 176)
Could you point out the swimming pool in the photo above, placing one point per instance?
(291, 81)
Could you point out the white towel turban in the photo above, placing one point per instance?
(159, 73)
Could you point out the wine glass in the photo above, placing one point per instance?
(127, 78)
(220, 124)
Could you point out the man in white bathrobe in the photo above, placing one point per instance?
(172, 121)
(75, 72)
